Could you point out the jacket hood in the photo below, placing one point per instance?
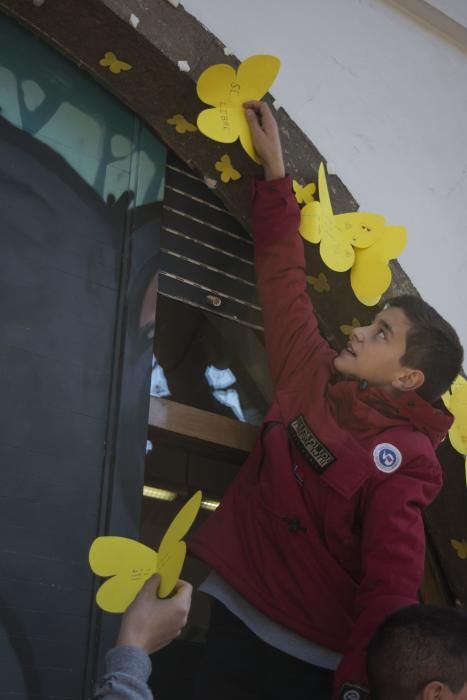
(372, 410)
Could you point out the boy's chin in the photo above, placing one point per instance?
(342, 364)
(344, 367)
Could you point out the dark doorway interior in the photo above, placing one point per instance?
(176, 467)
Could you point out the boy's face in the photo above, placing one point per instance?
(374, 352)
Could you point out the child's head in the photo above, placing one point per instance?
(419, 653)
(408, 347)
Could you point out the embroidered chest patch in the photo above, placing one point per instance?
(312, 449)
(387, 457)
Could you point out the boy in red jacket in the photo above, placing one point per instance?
(321, 535)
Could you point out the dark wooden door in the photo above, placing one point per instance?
(81, 183)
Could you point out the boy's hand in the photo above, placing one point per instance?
(265, 136)
(151, 623)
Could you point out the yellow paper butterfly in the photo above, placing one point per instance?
(337, 234)
(320, 283)
(181, 124)
(347, 329)
(225, 167)
(304, 195)
(371, 275)
(226, 90)
(130, 563)
(113, 63)
(456, 401)
(460, 547)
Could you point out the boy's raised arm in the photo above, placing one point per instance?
(293, 342)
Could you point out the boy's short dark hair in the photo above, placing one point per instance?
(415, 646)
(433, 346)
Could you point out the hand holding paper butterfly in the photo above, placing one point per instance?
(265, 137)
(128, 564)
(226, 90)
(151, 623)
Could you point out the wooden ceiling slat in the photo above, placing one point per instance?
(201, 425)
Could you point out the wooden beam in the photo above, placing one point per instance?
(452, 27)
(201, 425)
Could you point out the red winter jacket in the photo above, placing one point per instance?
(322, 528)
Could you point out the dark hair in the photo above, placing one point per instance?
(433, 346)
(415, 646)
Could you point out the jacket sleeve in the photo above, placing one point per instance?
(127, 670)
(393, 558)
(293, 341)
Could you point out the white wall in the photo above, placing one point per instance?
(384, 98)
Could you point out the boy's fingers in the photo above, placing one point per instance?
(260, 108)
(253, 121)
(183, 591)
(257, 109)
(181, 583)
(267, 119)
(151, 585)
(153, 580)
(252, 104)
(260, 117)
(264, 110)
(252, 116)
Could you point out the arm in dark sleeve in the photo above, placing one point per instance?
(127, 670)
(293, 341)
(393, 558)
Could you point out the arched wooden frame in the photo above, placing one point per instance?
(153, 39)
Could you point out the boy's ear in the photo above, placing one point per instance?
(409, 380)
(435, 690)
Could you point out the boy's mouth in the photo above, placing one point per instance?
(349, 350)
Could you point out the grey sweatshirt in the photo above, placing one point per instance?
(127, 670)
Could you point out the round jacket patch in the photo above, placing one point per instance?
(349, 691)
(352, 695)
(387, 457)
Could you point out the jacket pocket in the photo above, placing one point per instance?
(342, 530)
(277, 488)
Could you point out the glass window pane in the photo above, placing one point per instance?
(209, 362)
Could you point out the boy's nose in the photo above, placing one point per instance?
(358, 334)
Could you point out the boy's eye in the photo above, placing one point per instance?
(381, 333)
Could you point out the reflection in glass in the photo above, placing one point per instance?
(209, 362)
(105, 143)
(220, 380)
(159, 386)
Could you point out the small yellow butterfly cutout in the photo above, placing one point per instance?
(347, 329)
(337, 234)
(304, 195)
(128, 564)
(455, 401)
(371, 275)
(320, 283)
(181, 124)
(227, 89)
(460, 547)
(225, 167)
(113, 63)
